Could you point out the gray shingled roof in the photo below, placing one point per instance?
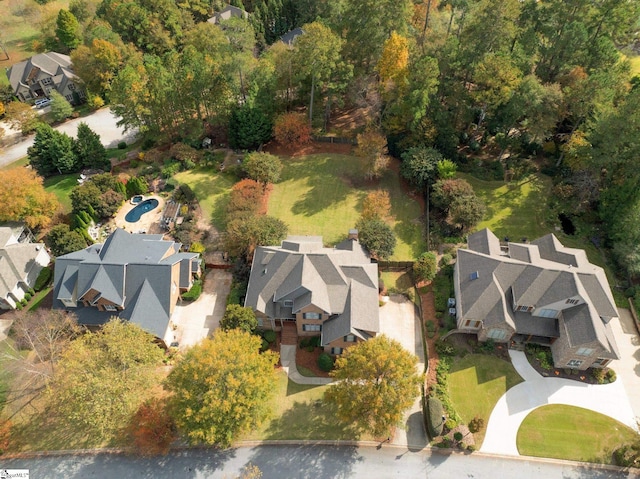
(132, 270)
(51, 62)
(537, 274)
(303, 271)
(289, 37)
(484, 241)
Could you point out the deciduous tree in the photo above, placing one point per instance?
(245, 234)
(376, 204)
(62, 240)
(377, 236)
(264, 168)
(419, 166)
(425, 268)
(152, 428)
(376, 382)
(21, 116)
(239, 317)
(292, 130)
(456, 198)
(372, 148)
(61, 109)
(222, 387)
(97, 65)
(104, 377)
(23, 198)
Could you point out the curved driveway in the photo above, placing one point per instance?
(511, 409)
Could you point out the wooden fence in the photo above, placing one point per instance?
(335, 139)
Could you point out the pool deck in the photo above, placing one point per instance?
(148, 222)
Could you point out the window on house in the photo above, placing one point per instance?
(312, 327)
(260, 322)
(336, 350)
(497, 334)
(350, 338)
(69, 303)
(71, 86)
(311, 316)
(584, 352)
(69, 97)
(288, 303)
(574, 363)
(601, 362)
(548, 313)
(47, 81)
(523, 308)
(573, 301)
(476, 324)
(110, 307)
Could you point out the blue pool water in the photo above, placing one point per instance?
(144, 207)
(136, 199)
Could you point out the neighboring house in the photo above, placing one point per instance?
(136, 277)
(227, 13)
(42, 73)
(20, 263)
(542, 292)
(289, 37)
(331, 292)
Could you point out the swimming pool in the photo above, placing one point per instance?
(135, 214)
(137, 199)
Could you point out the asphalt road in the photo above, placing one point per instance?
(103, 122)
(302, 462)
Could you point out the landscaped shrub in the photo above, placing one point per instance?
(43, 279)
(458, 436)
(471, 447)
(325, 362)
(424, 269)
(195, 291)
(246, 197)
(19, 306)
(170, 170)
(445, 260)
(122, 145)
(476, 425)
(27, 296)
(265, 345)
(610, 377)
(315, 341)
(445, 349)
(435, 413)
(270, 336)
(431, 329)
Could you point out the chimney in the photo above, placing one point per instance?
(353, 234)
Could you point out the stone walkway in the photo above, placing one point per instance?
(514, 406)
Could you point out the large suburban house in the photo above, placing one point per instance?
(136, 277)
(330, 292)
(21, 261)
(42, 73)
(540, 292)
(228, 13)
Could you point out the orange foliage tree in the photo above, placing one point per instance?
(152, 429)
(5, 436)
(23, 198)
(246, 198)
(292, 130)
(377, 204)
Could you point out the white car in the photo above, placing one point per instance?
(42, 102)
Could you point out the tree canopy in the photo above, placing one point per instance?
(24, 198)
(377, 236)
(239, 317)
(377, 381)
(222, 387)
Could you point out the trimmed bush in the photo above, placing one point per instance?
(325, 362)
(43, 279)
(122, 145)
(265, 345)
(27, 296)
(315, 341)
(435, 411)
(458, 436)
(195, 291)
(270, 336)
(476, 425)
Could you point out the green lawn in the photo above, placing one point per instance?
(212, 189)
(476, 382)
(37, 300)
(299, 413)
(573, 433)
(61, 186)
(516, 210)
(16, 164)
(401, 282)
(322, 195)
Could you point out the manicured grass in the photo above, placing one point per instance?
(212, 189)
(37, 300)
(16, 164)
(322, 195)
(61, 186)
(573, 433)
(306, 372)
(476, 382)
(514, 210)
(299, 413)
(401, 282)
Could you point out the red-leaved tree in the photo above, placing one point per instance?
(292, 130)
(246, 197)
(152, 429)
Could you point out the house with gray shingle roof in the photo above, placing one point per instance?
(227, 13)
(136, 277)
(540, 292)
(20, 263)
(330, 292)
(42, 73)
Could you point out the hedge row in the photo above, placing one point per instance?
(435, 412)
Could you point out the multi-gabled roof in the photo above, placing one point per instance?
(50, 64)
(492, 280)
(341, 281)
(131, 271)
(227, 13)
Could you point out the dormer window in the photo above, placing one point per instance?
(288, 303)
(573, 301)
(110, 307)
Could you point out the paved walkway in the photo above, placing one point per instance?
(512, 408)
(288, 361)
(627, 368)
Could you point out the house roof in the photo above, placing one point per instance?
(16, 259)
(56, 65)
(341, 281)
(491, 282)
(133, 271)
(289, 37)
(226, 13)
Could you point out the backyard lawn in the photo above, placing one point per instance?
(299, 413)
(476, 382)
(514, 210)
(322, 195)
(212, 189)
(61, 186)
(572, 433)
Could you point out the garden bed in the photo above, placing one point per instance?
(586, 377)
(309, 361)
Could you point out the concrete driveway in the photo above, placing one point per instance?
(197, 320)
(627, 368)
(399, 320)
(103, 122)
(516, 404)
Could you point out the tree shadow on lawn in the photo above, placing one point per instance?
(329, 180)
